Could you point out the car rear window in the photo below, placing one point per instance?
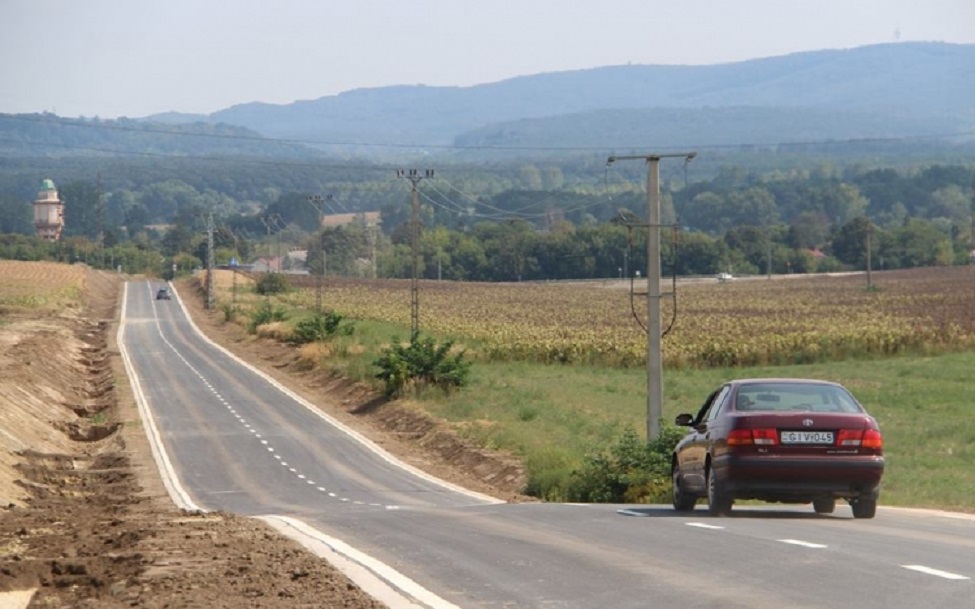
(774, 397)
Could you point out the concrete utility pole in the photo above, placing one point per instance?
(210, 262)
(655, 393)
(100, 212)
(869, 264)
(319, 202)
(414, 177)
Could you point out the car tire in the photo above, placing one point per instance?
(683, 502)
(864, 507)
(719, 504)
(825, 505)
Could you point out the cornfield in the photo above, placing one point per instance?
(47, 286)
(793, 319)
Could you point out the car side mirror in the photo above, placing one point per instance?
(684, 420)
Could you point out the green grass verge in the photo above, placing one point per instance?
(552, 415)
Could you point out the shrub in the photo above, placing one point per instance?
(230, 312)
(631, 471)
(271, 283)
(265, 314)
(421, 363)
(320, 327)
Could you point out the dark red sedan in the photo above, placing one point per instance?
(779, 440)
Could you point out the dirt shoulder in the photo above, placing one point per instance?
(87, 521)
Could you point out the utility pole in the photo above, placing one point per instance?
(372, 247)
(655, 392)
(414, 177)
(266, 221)
(869, 230)
(100, 210)
(319, 202)
(210, 261)
(971, 234)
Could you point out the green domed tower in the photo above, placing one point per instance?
(48, 212)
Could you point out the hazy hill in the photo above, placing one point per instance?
(882, 91)
(47, 135)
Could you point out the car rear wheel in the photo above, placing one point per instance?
(683, 502)
(719, 504)
(864, 508)
(825, 505)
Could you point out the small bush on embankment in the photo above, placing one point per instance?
(265, 314)
(421, 363)
(320, 327)
(630, 471)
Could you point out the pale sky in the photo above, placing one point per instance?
(112, 58)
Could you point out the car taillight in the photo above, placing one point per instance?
(740, 437)
(849, 437)
(872, 438)
(749, 437)
(869, 438)
(765, 437)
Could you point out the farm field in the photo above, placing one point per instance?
(795, 319)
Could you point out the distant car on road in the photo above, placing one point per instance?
(163, 294)
(779, 440)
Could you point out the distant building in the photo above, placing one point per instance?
(266, 264)
(369, 218)
(48, 212)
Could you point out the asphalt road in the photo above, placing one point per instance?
(230, 439)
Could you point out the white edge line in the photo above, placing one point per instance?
(366, 442)
(380, 580)
(936, 572)
(630, 512)
(799, 542)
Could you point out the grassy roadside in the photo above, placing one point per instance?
(552, 415)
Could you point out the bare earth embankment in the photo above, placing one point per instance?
(84, 518)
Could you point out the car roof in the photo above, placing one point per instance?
(791, 381)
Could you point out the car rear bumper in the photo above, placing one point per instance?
(799, 478)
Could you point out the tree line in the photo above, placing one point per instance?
(530, 222)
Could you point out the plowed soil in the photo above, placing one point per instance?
(84, 518)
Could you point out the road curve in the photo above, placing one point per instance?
(231, 439)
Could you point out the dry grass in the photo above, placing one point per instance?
(40, 286)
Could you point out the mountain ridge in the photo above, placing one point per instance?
(928, 80)
(886, 91)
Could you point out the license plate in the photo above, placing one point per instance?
(806, 437)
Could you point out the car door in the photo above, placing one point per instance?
(694, 447)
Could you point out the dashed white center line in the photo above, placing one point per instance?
(935, 572)
(805, 544)
(237, 415)
(701, 525)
